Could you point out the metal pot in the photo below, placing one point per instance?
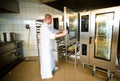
(8, 37)
(12, 36)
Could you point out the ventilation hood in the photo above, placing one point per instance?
(46, 1)
(9, 6)
(80, 5)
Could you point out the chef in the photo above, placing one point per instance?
(47, 35)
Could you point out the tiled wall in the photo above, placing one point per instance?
(15, 22)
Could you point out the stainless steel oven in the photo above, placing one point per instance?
(99, 38)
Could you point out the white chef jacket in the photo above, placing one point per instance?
(47, 36)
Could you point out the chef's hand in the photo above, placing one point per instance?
(65, 32)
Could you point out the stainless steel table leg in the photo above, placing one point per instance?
(94, 71)
(109, 75)
(83, 65)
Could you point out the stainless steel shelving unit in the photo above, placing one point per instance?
(38, 25)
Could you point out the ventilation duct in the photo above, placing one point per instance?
(9, 6)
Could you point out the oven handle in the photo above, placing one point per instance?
(90, 40)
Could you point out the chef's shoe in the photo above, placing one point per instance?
(53, 72)
(56, 68)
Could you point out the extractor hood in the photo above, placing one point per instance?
(80, 5)
(46, 1)
(9, 6)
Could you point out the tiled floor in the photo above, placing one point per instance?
(29, 71)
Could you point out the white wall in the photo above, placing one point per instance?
(29, 12)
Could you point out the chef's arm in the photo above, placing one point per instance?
(61, 33)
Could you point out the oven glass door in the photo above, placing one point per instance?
(103, 35)
(73, 25)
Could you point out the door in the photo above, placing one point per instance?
(85, 37)
(105, 36)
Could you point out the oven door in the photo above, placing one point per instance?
(104, 45)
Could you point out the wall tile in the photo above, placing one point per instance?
(15, 22)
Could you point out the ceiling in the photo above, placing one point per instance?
(75, 5)
(80, 5)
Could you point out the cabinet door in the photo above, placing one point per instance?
(6, 59)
